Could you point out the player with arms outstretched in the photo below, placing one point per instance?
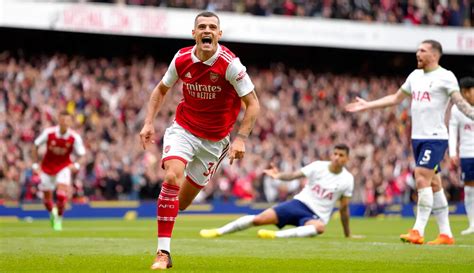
(215, 84)
(309, 210)
(430, 88)
(462, 126)
(56, 166)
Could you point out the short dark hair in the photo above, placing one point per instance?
(435, 45)
(64, 113)
(343, 147)
(466, 82)
(207, 14)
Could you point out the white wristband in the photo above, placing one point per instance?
(77, 166)
(35, 166)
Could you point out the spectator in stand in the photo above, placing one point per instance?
(437, 12)
(109, 128)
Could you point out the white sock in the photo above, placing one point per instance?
(242, 223)
(423, 210)
(164, 243)
(469, 204)
(303, 231)
(441, 212)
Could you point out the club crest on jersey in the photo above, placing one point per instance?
(167, 148)
(214, 76)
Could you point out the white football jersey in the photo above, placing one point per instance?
(463, 126)
(324, 188)
(430, 93)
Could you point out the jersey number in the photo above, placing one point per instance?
(426, 157)
(210, 170)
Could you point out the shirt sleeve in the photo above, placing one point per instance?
(309, 169)
(406, 86)
(42, 138)
(171, 75)
(79, 146)
(451, 83)
(453, 131)
(350, 188)
(237, 75)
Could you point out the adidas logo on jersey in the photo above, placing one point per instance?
(188, 75)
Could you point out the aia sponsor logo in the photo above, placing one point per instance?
(213, 76)
(322, 192)
(167, 148)
(421, 96)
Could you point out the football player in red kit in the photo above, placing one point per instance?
(56, 167)
(215, 84)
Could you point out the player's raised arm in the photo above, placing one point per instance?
(274, 173)
(252, 109)
(154, 105)
(462, 105)
(390, 100)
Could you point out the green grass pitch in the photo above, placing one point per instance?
(128, 246)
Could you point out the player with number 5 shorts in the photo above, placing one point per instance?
(430, 88)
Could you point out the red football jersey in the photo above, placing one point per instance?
(58, 149)
(211, 103)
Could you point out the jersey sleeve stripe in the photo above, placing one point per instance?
(226, 57)
(227, 54)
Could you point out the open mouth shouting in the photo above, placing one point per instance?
(207, 42)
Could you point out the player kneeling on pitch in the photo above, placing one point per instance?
(310, 209)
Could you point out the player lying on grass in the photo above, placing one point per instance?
(310, 209)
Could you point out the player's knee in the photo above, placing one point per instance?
(171, 178)
(258, 220)
(436, 187)
(320, 228)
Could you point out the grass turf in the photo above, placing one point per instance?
(128, 246)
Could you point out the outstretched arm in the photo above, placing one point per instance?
(154, 105)
(390, 100)
(344, 211)
(462, 105)
(276, 174)
(252, 109)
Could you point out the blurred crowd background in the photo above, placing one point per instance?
(105, 82)
(411, 12)
(302, 118)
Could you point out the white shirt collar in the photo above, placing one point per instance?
(209, 61)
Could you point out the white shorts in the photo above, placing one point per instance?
(49, 182)
(202, 157)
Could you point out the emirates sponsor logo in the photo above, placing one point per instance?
(202, 87)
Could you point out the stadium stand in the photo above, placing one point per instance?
(420, 12)
(105, 80)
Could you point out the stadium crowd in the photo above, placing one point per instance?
(411, 12)
(302, 116)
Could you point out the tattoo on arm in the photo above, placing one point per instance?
(463, 106)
